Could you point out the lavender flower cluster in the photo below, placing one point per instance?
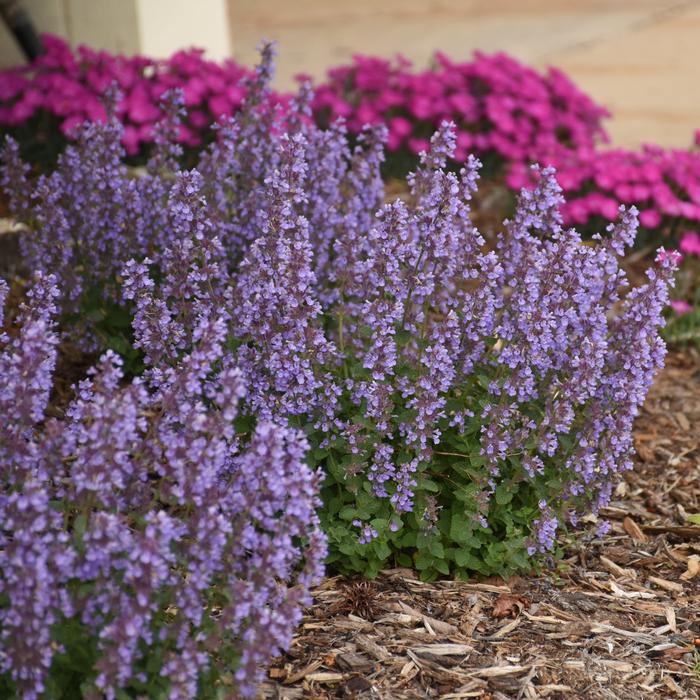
(465, 402)
(144, 545)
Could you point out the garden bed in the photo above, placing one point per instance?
(619, 620)
(220, 378)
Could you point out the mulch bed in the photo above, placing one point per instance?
(620, 619)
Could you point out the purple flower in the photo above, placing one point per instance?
(171, 530)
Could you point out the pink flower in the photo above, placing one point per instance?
(69, 125)
(418, 145)
(608, 208)
(680, 306)
(366, 114)
(690, 243)
(194, 90)
(464, 104)
(650, 218)
(421, 107)
(131, 140)
(198, 119)
(219, 105)
(140, 106)
(401, 126)
(577, 211)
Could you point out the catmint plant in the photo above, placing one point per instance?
(467, 402)
(147, 549)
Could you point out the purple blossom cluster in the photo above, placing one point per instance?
(89, 215)
(500, 107)
(137, 513)
(663, 184)
(374, 336)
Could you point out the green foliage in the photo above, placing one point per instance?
(455, 544)
(111, 324)
(682, 329)
(443, 535)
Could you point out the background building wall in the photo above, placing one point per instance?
(637, 57)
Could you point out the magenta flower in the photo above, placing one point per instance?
(499, 106)
(680, 306)
(690, 243)
(72, 86)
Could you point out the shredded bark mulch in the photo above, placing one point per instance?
(620, 618)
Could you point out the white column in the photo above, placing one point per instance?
(155, 28)
(168, 25)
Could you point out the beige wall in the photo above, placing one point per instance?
(49, 14)
(638, 57)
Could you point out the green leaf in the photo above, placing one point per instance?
(379, 524)
(423, 560)
(118, 344)
(118, 317)
(79, 525)
(427, 485)
(409, 539)
(347, 548)
(320, 454)
(436, 549)
(442, 566)
(460, 528)
(466, 560)
(404, 560)
(95, 315)
(503, 495)
(381, 549)
(694, 518)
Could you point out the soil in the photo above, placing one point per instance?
(619, 619)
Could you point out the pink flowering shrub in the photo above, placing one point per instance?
(690, 244)
(683, 324)
(504, 111)
(42, 104)
(663, 184)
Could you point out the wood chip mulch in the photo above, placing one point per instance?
(620, 619)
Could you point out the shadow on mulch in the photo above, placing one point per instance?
(622, 621)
